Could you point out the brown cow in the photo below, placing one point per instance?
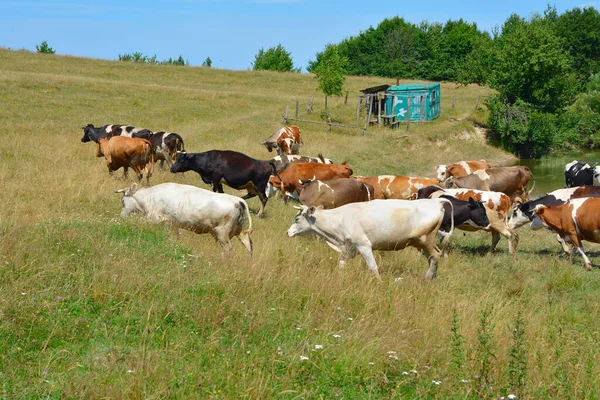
(294, 175)
(461, 168)
(127, 152)
(575, 221)
(397, 187)
(511, 181)
(496, 205)
(287, 140)
(332, 193)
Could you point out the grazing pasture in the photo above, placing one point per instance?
(97, 306)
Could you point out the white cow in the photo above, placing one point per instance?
(376, 225)
(192, 208)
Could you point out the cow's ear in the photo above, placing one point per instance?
(311, 211)
(132, 189)
(539, 209)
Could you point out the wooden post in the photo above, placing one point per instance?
(369, 101)
(477, 103)
(358, 109)
(453, 101)
(379, 111)
(285, 117)
(297, 105)
(408, 115)
(421, 104)
(346, 99)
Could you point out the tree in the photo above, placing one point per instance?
(330, 72)
(44, 48)
(274, 59)
(207, 62)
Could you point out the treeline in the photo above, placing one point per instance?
(545, 69)
(144, 59)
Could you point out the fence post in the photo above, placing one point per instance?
(297, 105)
(358, 110)
(477, 103)
(380, 103)
(453, 101)
(285, 117)
(421, 104)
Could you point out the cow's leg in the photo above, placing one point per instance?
(263, 202)
(495, 240)
(577, 244)
(224, 240)
(431, 251)
(367, 252)
(125, 172)
(444, 249)
(566, 247)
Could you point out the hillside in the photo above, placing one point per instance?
(95, 306)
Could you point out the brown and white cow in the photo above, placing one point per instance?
(283, 161)
(293, 177)
(461, 168)
(511, 181)
(332, 193)
(397, 187)
(286, 140)
(128, 153)
(497, 206)
(575, 221)
(91, 133)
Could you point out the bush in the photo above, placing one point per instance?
(274, 59)
(44, 48)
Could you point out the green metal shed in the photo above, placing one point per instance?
(424, 102)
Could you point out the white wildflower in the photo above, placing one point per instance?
(337, 336)
(436, 382)
(318, 347)
(404, 373)
(512, 396)
(303, 358)
(350, 319)
(398, 279)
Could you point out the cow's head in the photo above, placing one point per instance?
(442, 172)
(537, 222)
(477, 213)
(86, 133)
(304, 221)
(521, 214)
(450, 183)
(269, 145)
(596, 175)
(182, 163)
(130, 204)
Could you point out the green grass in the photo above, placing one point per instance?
(95, 306)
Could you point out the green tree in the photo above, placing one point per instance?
(330, 72)
(274, 59)
(44, 48)
(207, 62)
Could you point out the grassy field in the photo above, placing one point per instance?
(95, 306)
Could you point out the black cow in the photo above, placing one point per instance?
(165, 146)
(462, 212)
(235, 169)
(580, 174)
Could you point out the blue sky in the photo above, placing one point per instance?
(229, 32)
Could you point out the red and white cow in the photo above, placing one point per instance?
(575, 221)
(376, 225)
(296, 174)
(397, 187)
(461, 168)
(287, 140)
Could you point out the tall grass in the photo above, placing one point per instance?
(95, 306)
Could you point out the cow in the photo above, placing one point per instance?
(91, 133)
(581, 174)
(497, 207)
(165, 146)
(191, 208)
(397, 187)
(574, 221)
(332, 193)
(286, 140)
(511, 181)
(128, 153)
(461, 168)
(376, 225)
(461, 212)
(524, 213)
(293, 177)
(235, 169)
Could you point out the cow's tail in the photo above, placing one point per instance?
(446, 239)
(245, 233)
(148, 157)
(531, 190)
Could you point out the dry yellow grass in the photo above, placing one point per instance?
(96, 306)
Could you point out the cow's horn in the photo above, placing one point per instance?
(298, 208)
(121, 190)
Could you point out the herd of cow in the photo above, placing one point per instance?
(353, 216)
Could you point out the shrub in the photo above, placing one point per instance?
(45, 48)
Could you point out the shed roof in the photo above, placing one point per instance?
(414, 86)
(375, 89)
